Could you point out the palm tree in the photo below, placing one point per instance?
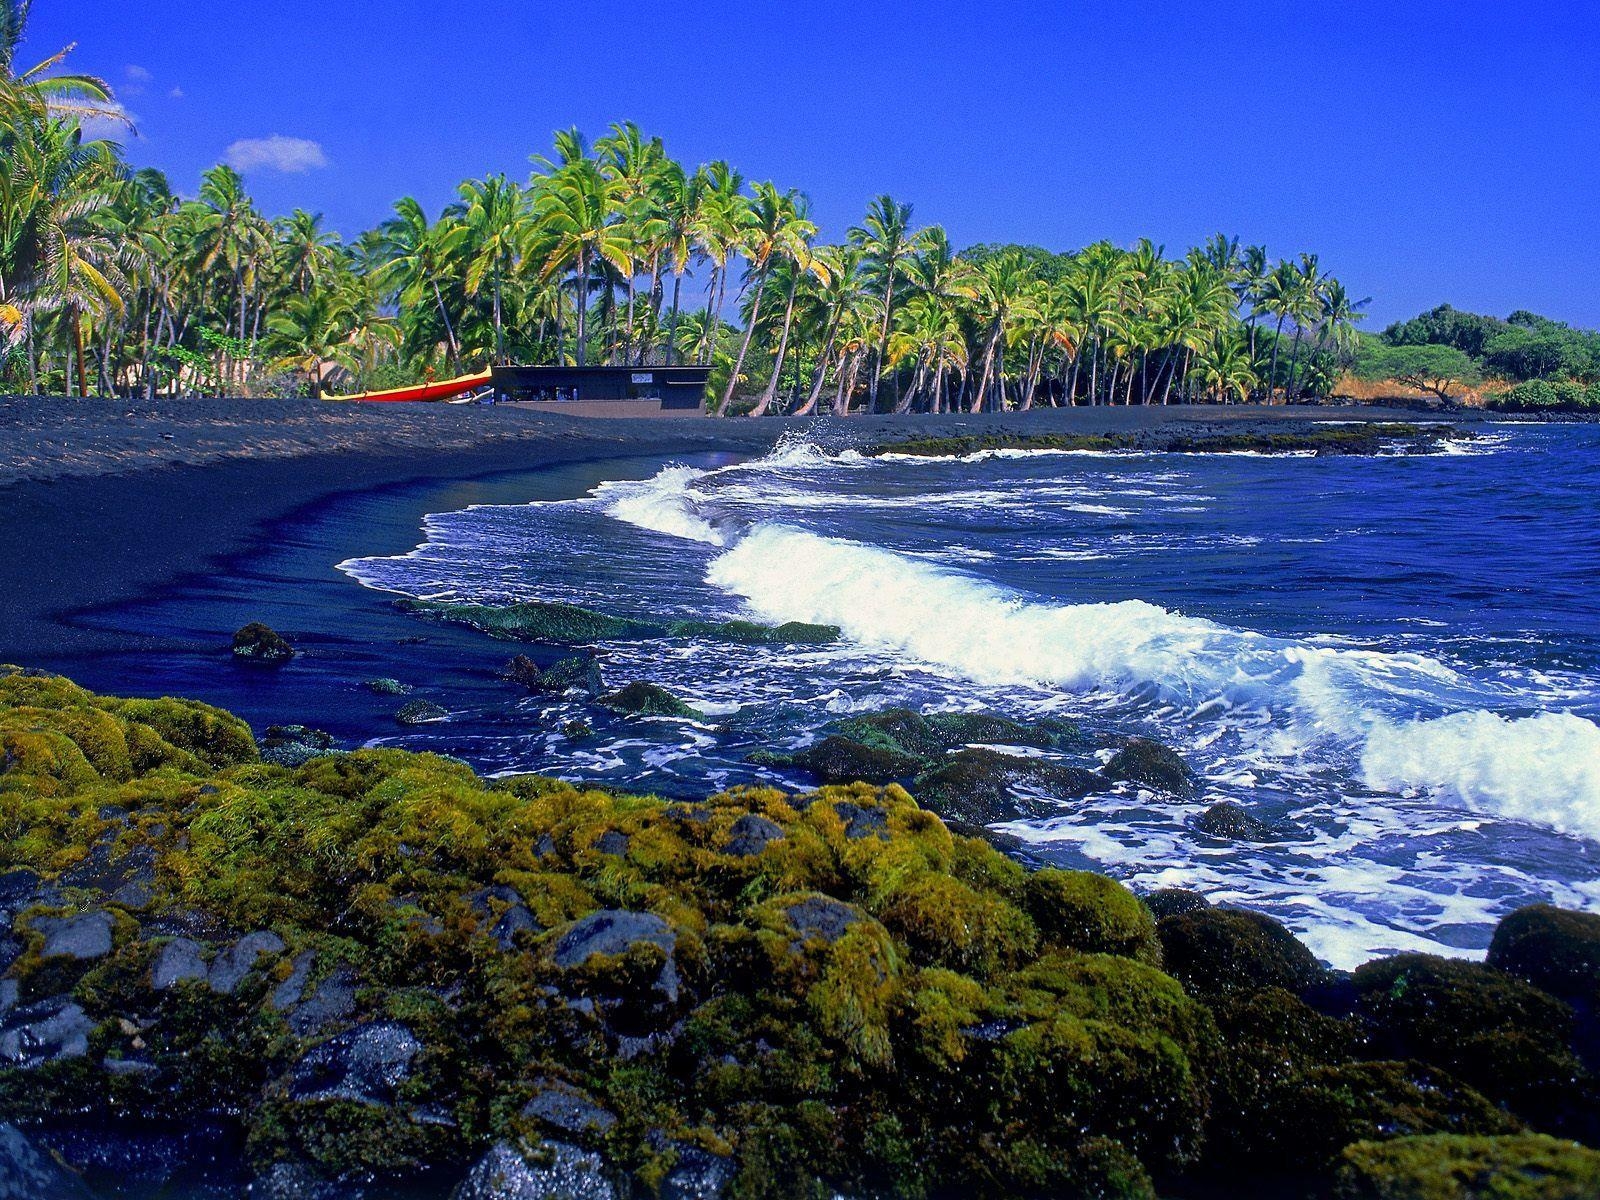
(1226, 367)
(494, 232)
(35, 93)
(418, 255)
(578, 227)
(778, 231)
(885, 238)
(722, 216)
(306, 251)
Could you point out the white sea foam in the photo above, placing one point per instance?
(663, 503)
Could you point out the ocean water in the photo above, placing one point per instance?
(1395, 660)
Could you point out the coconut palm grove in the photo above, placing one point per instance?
(1113, 728)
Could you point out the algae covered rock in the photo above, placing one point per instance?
(1215, 951)
(1555, 949)
(387, 687)
(984, 786)
(419, 712)
(1232, 822)
(1091, 913)
(580, 672)
(649, 700)
(517, 1171)
(1152, 764)
(842, 760)
(1527, 1166)
(258, 643)
(534, 621)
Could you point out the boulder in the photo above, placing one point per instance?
(1217, 951)
(697, 1175)
(983, 787)
(751, 834)
(179, 959)
(648, 700)
(1232, 822)
(261, 644)
(387, 687)
(610, 932)
(1555, 949)
(43, 1032)
(28, 1173)
(1152, 764)
(568, 1109)
(419, 712)
(363, 1065)
(292, 745)
(238, 960)
(838, 759)
(83, 936)
(549, 1171)
(579, 673)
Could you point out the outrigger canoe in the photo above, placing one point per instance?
(442, 389)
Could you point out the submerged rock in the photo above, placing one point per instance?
(648, 700)
(580, 673)
(534, 621)
(841, 760)
(420, 712)
(1152, 764)
(258, 643)
(983, 787)
(387, 687)
(292, 745)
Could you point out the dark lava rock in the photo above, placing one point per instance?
(862, 822)
(1152, 764)
(534, 621)
(580, 673)
(612, 931)
(982, 787)
(297, 1181)
(1232, 822)
(419, 712)
(258, 643)
(331, 1001)
(44, 1032)
(1175, 902)
(292, 745)
(751, 633)
(577, 731)
(697, 1175)
(822, 917)
(387, 687)
(238, 960)
(17, 889)
(612, 842)
(550, 1171)
(288, 993)
(1555, 949)
(503, 915)
(27, 1173)
(178, 960)
(840, 760)
(648, 700)
(1217, 951)
(751, 834)
(84, 936)
(564, 1107)
(364, 1065)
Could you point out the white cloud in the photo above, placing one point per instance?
(118, 128)
(135, 79)
(290, 155)
(175, 94)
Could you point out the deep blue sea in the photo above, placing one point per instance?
(1394, 659)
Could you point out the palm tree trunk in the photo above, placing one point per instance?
(583, 307)
(744, 344)
(883, 343)
(771, 392)
(672, 322)
(449, 329)
(1272, 371)
(77, 341)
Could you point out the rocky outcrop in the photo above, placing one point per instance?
(262, 645)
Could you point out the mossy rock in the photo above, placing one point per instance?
(215, 737)
(1555, 949)
(1217, 951)
(1152, 764)
(648, 700)
(533, 621)
(840, 760)
(580, 672)
(1092, 913)
(1527, 1166)
(420, 712)
(928, 736)
(752, 633)
(258, 643)
(984, 787)
(387, 687)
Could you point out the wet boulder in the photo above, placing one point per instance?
(534, 621)
(29, 1173)
(43, 1032)
(648, 700)
(1442, 1166)
(262, 645)
(1093, 914)
(292, 745)
(230, 966)
(838, 759)
(630, 952)
(364, 1065)
(513, 1171)
(1554, 949)
(697, 1174)
(178, 960)
(1234, 823)
(419, 712)
(82, 936)
(1216, 951)
(1175, 902)
(387, 687)
(1148, 762)
(579, 673)
(568, 1109)
(983, 787)
(331, 1001)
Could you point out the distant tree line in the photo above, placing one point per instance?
(610, 252)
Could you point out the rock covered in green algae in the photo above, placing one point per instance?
(387, 687)
(1552, 948)
(258, 643)
(419, 712)
(984, 786)
(1527, 1166)
(577, 673)
(568, 624)
(648, 700)
(1152, 764)
(780, 993)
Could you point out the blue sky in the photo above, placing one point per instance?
(1427, 150)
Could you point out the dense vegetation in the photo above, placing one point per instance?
(383, 968)
(1550, 366)
(613, 253)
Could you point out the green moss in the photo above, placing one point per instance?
(1552, 948)
(1218, 951)
(1089, 912)
(217, 738)
(1449, 1167)
(648, 700)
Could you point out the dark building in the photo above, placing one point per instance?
(678, 390)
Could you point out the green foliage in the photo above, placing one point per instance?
(1543, 395)
(1453, 1167)
(1430, 368)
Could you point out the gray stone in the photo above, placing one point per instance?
(863, 822)
(365, 1064)
(551, 1171)
(296, 1181)
(84, 936)
(239, 959)
(503, 914)
(612, 842)
(697, 1175)
(612, 931)
(333, 1000)
(419, 712)
(288, 993)
(44, 1032)
(822, 917)
(564, 1107)
(27, 1173)
(179, 959)
(751, 834)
